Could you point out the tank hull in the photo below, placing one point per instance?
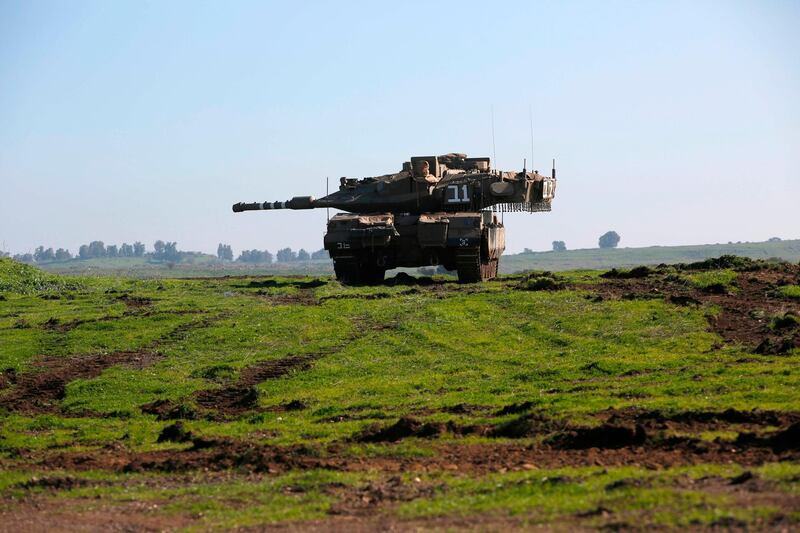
(364, 246)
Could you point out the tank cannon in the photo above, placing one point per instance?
(438, 210)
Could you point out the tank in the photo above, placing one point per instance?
(438, 210)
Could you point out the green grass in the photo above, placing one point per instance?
(384, 352)
(791, 291)
(551, 496)
(596, 258)
(589, 258)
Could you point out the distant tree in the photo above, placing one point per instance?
(138, 249)
(112, 251)
(158, 249)
(41, 255)
(527, 251)
(286, 255)
(3, 253)
(255, 256)
(83, 251)
(126, 250)
(302, 255)
(63, 255)
(24, 258)
(97, 249)
(559, 246)
(774, 239)
(322, 253)
(609, 239)
(166, 251)
(225, 252)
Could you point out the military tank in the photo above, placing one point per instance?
(438, 210)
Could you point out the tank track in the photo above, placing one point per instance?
(358, 270)
(472, 269)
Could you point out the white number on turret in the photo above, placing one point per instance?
(453, 196)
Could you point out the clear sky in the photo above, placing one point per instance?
(671, 122)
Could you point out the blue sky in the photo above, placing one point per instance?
(671, 122)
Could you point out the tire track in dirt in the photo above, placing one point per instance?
(242, 395)
(753, 314)
(42, 386)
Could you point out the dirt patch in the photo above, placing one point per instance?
(699, 421)
(780, 441)
(366, 499)
(753, 314)
(68, 514)
(242, 395)
(301, 297)
(606, 436)
(135, 302)
(8, 377)
(403, 428)
(43, 385)
(526, 426)
(56, 483)
(221, 455)
(175, 433)
(169, 410)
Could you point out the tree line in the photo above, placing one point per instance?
(284, 255)
(162, 251)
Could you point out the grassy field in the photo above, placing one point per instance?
(208, 266)
(660, 397)
(788, 250)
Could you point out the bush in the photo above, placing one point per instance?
(559, 246)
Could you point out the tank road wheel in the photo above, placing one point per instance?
(471, 269)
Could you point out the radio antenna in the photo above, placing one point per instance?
(530, 116)
(327, 209)
(494, 148)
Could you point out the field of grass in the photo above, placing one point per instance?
(580, 401)
(594, 258)
(207, 266)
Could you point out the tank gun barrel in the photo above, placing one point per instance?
(298, 202)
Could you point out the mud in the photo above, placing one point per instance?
(175, 433)
(241, 396)
(606, 436)
(403, 428)
(40, 388)
(366, 499)
(221, 455)
(752, 312)
(169, 410)
(135, 302)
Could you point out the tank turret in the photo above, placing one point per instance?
(438, 210)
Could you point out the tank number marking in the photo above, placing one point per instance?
(343, 245)
(463, 242)
(455, 198)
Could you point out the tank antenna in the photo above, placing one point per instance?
(530, 117)
(494, 147)
(327, 209)
(553, 172)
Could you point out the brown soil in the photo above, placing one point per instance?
(240, 396)
(609, 444)
(750, 314)
(41, 514)
(43, 385)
